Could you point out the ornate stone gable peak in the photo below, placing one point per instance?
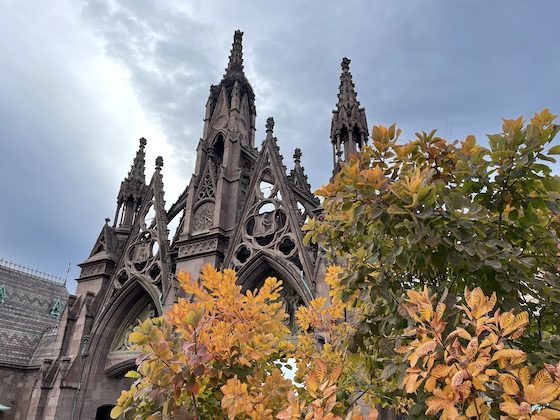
(269, 226)
(146, 254)
(104, 253)
(207, 186)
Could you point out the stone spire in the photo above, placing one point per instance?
(347, 95)
(235, 63)
(133, 188)
(299, 179)
(349, 130)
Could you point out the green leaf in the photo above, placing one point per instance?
(554, 150)
(132, 374)
(394, 209)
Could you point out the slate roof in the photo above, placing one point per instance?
(27, 328)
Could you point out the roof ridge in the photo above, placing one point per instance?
(41, 275)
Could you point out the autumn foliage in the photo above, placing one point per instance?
(219, 354)
(404, 215)
(474, 370)
(444, 297)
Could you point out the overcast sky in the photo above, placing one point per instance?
(81, 81)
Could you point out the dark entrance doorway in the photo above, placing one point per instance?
(103, 412)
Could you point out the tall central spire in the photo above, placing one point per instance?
(235, 63)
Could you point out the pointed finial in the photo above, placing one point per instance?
(135, 177)
(297, 156)
(347, 94)
(107, 220)
(269, 126)
(236, 55)
(345, 64)
(159, 162)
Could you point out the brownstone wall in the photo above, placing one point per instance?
(16, 386)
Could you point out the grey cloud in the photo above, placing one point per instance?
(455, 66)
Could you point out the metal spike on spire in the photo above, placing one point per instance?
(235, 63)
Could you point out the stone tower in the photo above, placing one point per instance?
(225, 158)
(241, 209)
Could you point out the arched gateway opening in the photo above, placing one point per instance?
(104, 412)
(110, 357)
(252, 277)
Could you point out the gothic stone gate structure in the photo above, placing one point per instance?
(241, 209)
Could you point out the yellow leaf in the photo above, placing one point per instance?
(549, 413)
(430, 384)
(509, 384)
(440, 371)
(426, 347)
(542, 378)
(524, 376)
(426, 312)
(472, 349)
(509, 354)
(116, 411)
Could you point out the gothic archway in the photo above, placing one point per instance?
(104, 412)
(108, 358)
(253, 275)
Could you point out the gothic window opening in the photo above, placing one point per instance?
(243, 254)
(2, 293)
(291, 300)
(357, 137)
(141, 311)
(266, 188)
(150, 217)
(218, 150)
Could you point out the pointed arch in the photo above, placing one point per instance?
(104, 370)
(217, 145)
(260, 266)
(293, 294)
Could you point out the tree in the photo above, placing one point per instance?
(479, 226)
(403, 216)
(220, 353)
(474, 371)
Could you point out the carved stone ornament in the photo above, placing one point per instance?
(198, 247)
(207, 187)
(203, 216)
(141, 258)
(266, 226)
(93, 270)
